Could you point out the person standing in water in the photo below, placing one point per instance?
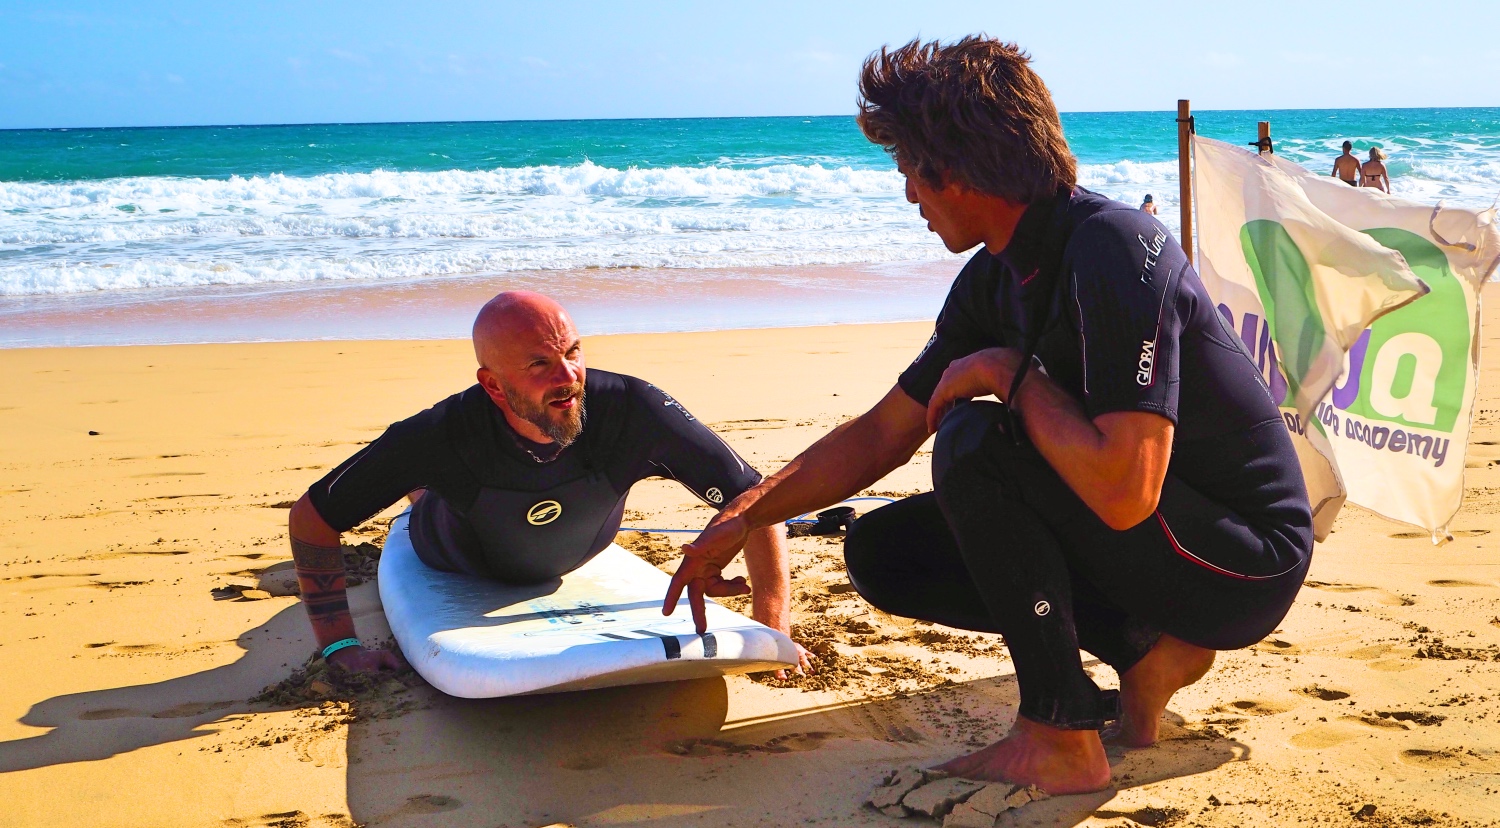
(1373, 173)
(1148, 206)
(1346, 166)
(1133, 493)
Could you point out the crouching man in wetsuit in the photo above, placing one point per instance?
(1134, 493)
(523, 476)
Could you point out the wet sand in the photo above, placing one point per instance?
(130, 681)
(602, 300)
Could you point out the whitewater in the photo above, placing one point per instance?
(116, 212)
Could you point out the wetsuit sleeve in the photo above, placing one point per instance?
(411, 454)
(957, 334)
(686, 450)
(1126, 271)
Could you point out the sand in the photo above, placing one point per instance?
(134, 635)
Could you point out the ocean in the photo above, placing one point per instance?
(109, 236)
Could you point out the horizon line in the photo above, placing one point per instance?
(682, 118)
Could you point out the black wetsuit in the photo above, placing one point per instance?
(1119, 319)
(503, 507)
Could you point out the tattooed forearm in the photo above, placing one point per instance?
(320, 575)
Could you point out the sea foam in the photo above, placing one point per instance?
(145, 232)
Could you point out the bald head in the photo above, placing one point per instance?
(519, 319)
(531, 365)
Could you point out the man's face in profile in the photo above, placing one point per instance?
(943, 208)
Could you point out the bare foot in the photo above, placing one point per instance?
(1146, 688)
(1057, 761)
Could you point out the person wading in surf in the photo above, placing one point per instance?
(1134, 492)
(522, 478)
(1346, 166)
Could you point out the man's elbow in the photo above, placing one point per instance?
(1124, 513)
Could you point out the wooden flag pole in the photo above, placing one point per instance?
(1263, 138)
(1185, 174)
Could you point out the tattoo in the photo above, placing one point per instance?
(320, 576)
(325, 606)
(312, 558)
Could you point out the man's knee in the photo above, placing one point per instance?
(963, 433)
(862, 551)
(874, 556)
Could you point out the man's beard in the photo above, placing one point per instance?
(562, 426)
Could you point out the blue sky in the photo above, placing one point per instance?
(167, 63)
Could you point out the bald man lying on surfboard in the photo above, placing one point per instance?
(522, 478)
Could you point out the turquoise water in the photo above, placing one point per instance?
(579, 207)
(1415, 136)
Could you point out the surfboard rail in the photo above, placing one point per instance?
(598, 626)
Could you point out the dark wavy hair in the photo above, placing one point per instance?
(971, 112)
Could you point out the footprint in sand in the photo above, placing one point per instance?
(1390, 599)
(108, 713)
(1374, 654)
(1375, 722)
(1323, 693)
(1393, 665)
(1451, 582)
(1452, 758)
(1367, 653)
(1253, 707)
(429, 804)
(1276, 645)
(190, 709)
(1325, 736)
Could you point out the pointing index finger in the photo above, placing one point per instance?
(695, 601)
(681, 578)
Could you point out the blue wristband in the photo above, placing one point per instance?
(339, 645)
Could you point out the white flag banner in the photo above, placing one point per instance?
(1363, 312)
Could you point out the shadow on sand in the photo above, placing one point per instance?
(664, 754)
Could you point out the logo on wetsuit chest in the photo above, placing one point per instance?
(1143, 373)
(544, 513)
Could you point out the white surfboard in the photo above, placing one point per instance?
(600, 626)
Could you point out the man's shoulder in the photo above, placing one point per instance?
(621, 406)
(980, 272)
(464, 404)
(1115, 228)
(464, 414)
(612, 395)
(640, 392)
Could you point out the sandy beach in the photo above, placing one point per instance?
(146, 486)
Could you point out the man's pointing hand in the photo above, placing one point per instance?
(700, 572)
